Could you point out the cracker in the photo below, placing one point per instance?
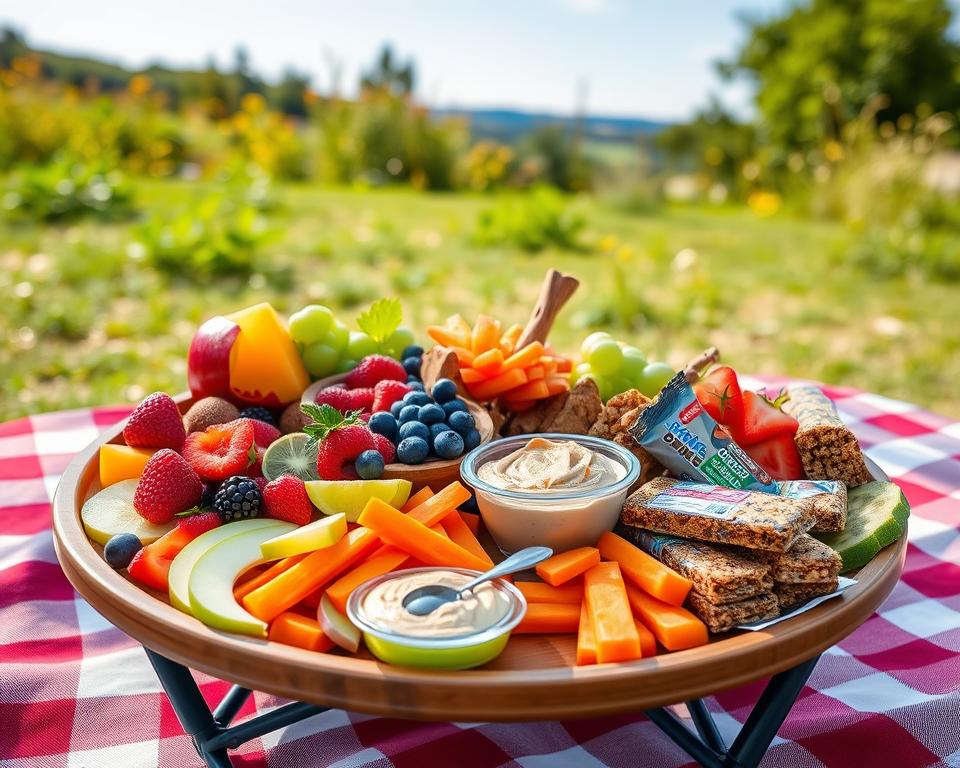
(720, 618)
(828, 448)
(719, 574)
(751, 519)
(613, 423)
(808, 561)
(829, 501)
(792, 595)
(571, 413)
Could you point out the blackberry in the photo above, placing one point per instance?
(237, 499)
(259, 413)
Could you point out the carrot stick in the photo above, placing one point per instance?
(489, 362)
(491, 388)
(460, 533)
(561, 568)
(586, 640)
(532, 390)
(447, 337)
(560, 364)
(415, 538)
(613, 623)
(471, 376)
(547, 618)
(645, 571)
(508, 342)
(293, 629)
(519, 406)
(242, 590)
(648, 643)
(377, 565)
(535, 372)
(290, 587)
(418, 498)
(529, 355)
(472, 520)
(457, 324)
(434, 509)
(676, 628)
(486, 334)
(557, 384)
(537, 592)
(464, 355)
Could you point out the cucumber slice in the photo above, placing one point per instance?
(877, 515)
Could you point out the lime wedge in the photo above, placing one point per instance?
(349, 497)
(291, 455)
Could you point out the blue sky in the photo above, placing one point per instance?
(649, 59)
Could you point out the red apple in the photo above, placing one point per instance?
(208, 361)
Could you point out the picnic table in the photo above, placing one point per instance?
(75, 691)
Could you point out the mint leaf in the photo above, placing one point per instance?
(381, 320)
(326, 418)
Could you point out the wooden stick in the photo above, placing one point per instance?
(556, 290)
(693, 369)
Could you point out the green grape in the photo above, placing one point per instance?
(310, 324)
(587, 345)
(338, 337)
(618, 384)
(655, 375)
(346, 365)
(634, 361)
(361, 345)
(606, 357)
(320, 360)
(398, 341)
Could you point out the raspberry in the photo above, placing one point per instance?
(374, 369)
(194, 525)
(340, 448)
(345, 399)
(167, 486)
(221, 450)
(155, 423)
(286, 499)
(386, 393)
(385, 447)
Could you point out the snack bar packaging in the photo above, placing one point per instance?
(713, 513)
(827, 447)
(677, 430)
(791, 595)
(720, 618)
(807, 562)
(719, 574)
(829, 501)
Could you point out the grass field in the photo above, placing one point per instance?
(86, 322)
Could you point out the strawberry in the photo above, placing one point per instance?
(762, 419)
(286, 499)
(167, 486)
(221, 450)
(345, 399)
(719, 393)
(256, 469)
(263, 434)
(199, 522)
(374, 369)
(151, 565)
(341, 438)
(261, 482)
(385, 447)
(386, 393)
(155, 423)
(778, 456)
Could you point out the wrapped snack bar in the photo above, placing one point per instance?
(721, 515)
(829, 501)
(808, 561)
(720, 618)
(719, 574)
(792, 595)
(828, 448)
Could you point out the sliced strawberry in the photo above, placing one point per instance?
(762, 420)
(778, 456)
(151, 565)
(719, 393)
(221, 450)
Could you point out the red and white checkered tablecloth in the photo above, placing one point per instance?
(76, 692)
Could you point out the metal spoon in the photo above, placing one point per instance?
(424, 600)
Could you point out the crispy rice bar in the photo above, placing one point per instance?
(792, 595)
(829, 501)
(720, 618)
(808, 561)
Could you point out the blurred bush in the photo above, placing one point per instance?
(543, 218)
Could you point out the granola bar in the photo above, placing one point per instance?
(613, 423)
(792, 595)
(720, 618)
(808, 561)
(751, 519)
(719, 574)
(572, 413)
(827, 447)
(829, 501)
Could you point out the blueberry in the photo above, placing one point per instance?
(369, 465)
(415, 384)
(383, 423)
(452, 406)
(431, 414)
(416, 398)
(414, 429)
(411, 379)
(395, 408)
(444, 390)
(120, 549)
(471, 440)
(412, 365)
(461, 421)
(412, 450)
(414, 350)
(409, 412)
(436, 429)
(448, 445)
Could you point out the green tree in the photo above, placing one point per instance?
(390, 75)
(822, 62)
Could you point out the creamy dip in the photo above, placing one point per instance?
(551, 465)
(476, 611)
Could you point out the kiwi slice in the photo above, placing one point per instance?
(877, 515)
(291, 455)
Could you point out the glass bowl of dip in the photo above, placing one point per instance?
(458, 635)
(562, 510)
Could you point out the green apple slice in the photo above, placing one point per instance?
(179, 578)
(349, 497)
(212, 577)
(336, 626)
(111, 511)
(319, 534)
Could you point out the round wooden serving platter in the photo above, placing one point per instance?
(534, 679)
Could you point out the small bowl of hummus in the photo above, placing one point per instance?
(461, 634)
(553, 490)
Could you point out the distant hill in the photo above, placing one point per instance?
(508, 125)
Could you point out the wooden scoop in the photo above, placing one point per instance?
(556, 291)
